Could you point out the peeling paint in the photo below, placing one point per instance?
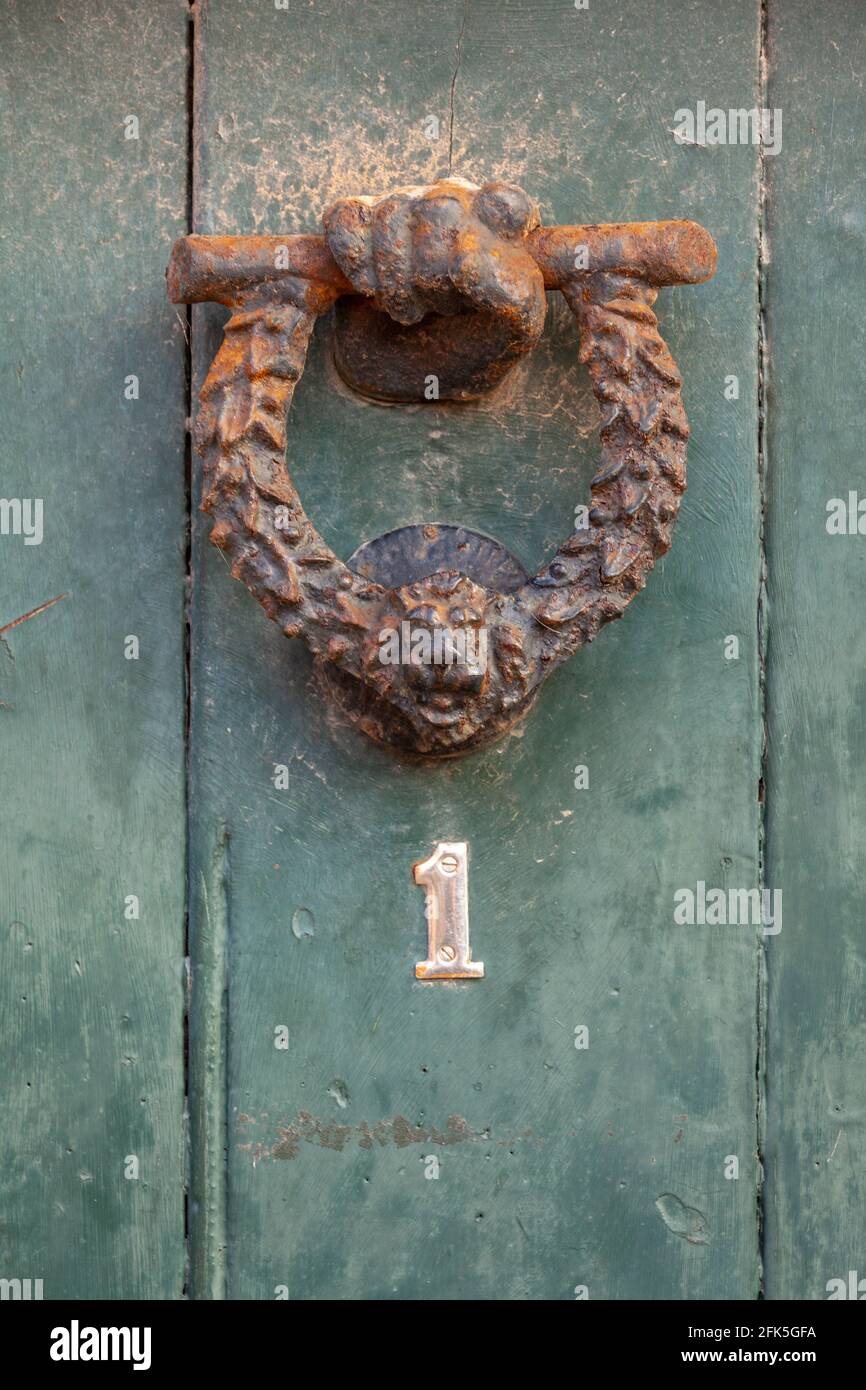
(687, 1222)
(328, 1134)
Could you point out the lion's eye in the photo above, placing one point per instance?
(423, 614)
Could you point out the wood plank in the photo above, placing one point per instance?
(604, 1167)
(816, 816)
(93, 757)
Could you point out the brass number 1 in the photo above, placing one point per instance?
(445, 879)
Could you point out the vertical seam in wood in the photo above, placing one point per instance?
(191, 79)
(190, 96)
(762, 619)
(208, 1076)
(207, 914)
(457, 56)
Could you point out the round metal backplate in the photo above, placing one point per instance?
(413, 552)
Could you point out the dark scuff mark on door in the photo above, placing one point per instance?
(325, 1133)
(328, 1134)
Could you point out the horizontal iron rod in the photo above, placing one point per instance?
(226, 269)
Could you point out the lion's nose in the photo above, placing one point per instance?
(468, 679)
(448, 680)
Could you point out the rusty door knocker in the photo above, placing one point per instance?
(433, 638)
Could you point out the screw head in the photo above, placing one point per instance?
(447, 953)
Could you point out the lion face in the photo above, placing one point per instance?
(444, 658)
(444, 638)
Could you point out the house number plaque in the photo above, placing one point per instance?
(445, 880)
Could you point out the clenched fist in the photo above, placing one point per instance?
(451, 250)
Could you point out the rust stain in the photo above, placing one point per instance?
(16, 622)
(330, 1134)
(325, 1133)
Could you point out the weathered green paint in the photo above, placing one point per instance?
(558, 1167)
(601, 1167)
(92, 744)
(816, 849)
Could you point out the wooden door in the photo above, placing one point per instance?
(627, 1105)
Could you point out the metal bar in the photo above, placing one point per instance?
(226, 268)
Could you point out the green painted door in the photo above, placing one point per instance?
(552, 1160)
(627, 1105)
